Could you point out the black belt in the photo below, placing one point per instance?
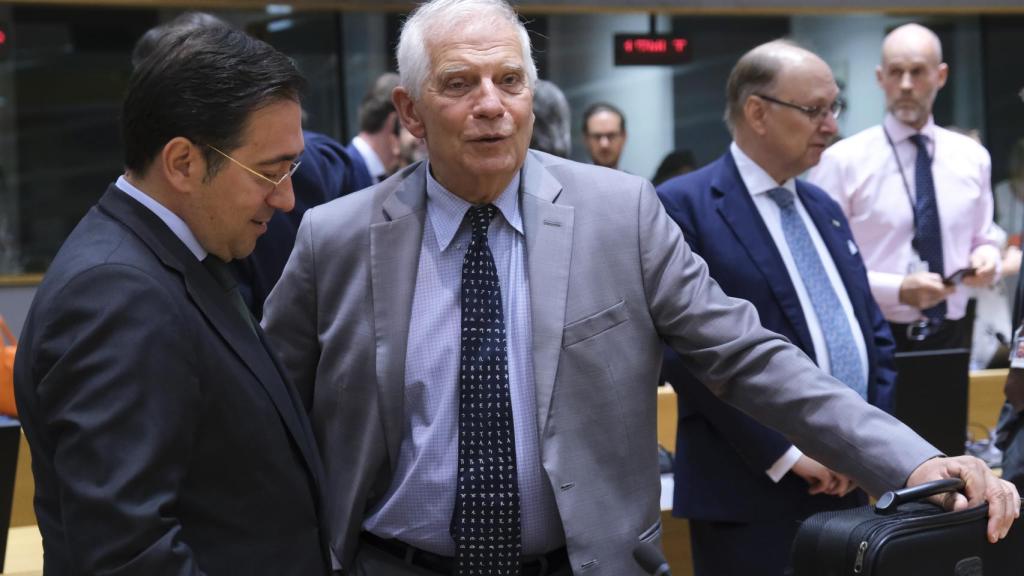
(531, 565)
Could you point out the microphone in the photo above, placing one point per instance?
(650, 558)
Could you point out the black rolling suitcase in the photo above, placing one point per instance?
(901, 536)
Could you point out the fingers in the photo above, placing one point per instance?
(816, 487)
(923, 290)
(834, 484)
(844, 485)
(980, 485)
(1003, 508)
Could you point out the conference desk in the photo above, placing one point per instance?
(25, 552)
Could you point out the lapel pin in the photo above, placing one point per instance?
(836, 224)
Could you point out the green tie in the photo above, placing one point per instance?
(219, 270)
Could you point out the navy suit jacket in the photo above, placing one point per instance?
(328, 171)
(360, 172)
(164, 438)
(722, 454)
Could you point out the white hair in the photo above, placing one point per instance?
(438, 18)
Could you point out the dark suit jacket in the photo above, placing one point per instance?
(328, 171)
(164, 439)
(722, 454)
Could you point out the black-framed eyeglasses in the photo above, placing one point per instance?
(291, 169)
(815, 113)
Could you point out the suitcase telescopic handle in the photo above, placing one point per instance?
(891, 500)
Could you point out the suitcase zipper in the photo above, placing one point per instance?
(858, 564)
(884, 532)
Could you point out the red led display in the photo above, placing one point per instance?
(650, 49)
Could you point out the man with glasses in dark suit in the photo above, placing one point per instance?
(164, 437)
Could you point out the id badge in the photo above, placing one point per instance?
(916, 265)
(1017, 350)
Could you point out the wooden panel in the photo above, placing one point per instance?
(675, 541)
(667, 418)
(675, 532)
(22, 513)
(24, 552)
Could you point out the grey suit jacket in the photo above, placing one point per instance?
(610, 277)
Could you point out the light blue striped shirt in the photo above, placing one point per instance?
(418, 506)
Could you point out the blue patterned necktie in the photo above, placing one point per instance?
(928, 233)
(842, 350)
(485, 523)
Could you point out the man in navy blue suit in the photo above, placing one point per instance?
(165, 437)
(785, 246)
(328, 171)
(376, 149)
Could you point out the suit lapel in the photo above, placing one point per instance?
(211, 301)
(736, 207)
(394, 255)
(549, 231)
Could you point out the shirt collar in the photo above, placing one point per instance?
(373, 163)
(900, 132)
(172, 220)
(446, 210)
(754, 177)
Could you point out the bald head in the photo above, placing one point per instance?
(911, 73)
(759, 71)
(912, 39)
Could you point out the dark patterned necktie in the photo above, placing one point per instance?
(485, 523)
(928, 234)
(843, 357)
(220, 272)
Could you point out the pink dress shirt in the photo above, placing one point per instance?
(862, 174)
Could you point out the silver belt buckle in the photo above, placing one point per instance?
(918, 331)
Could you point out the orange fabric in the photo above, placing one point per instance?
(8, 346)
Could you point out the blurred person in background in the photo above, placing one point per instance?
(604, 131)
(551, 132)
(675, 163)
(918, 198)
(783, 245)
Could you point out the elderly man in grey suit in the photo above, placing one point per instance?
(478, 339)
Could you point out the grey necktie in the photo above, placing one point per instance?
(226, 280)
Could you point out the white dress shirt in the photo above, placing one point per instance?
(178, 226)
(863, 175)
(373, 162)
(758, 183)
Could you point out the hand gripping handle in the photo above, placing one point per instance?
(891, 500)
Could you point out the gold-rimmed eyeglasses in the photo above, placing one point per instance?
(815, 113)
(291, 170)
